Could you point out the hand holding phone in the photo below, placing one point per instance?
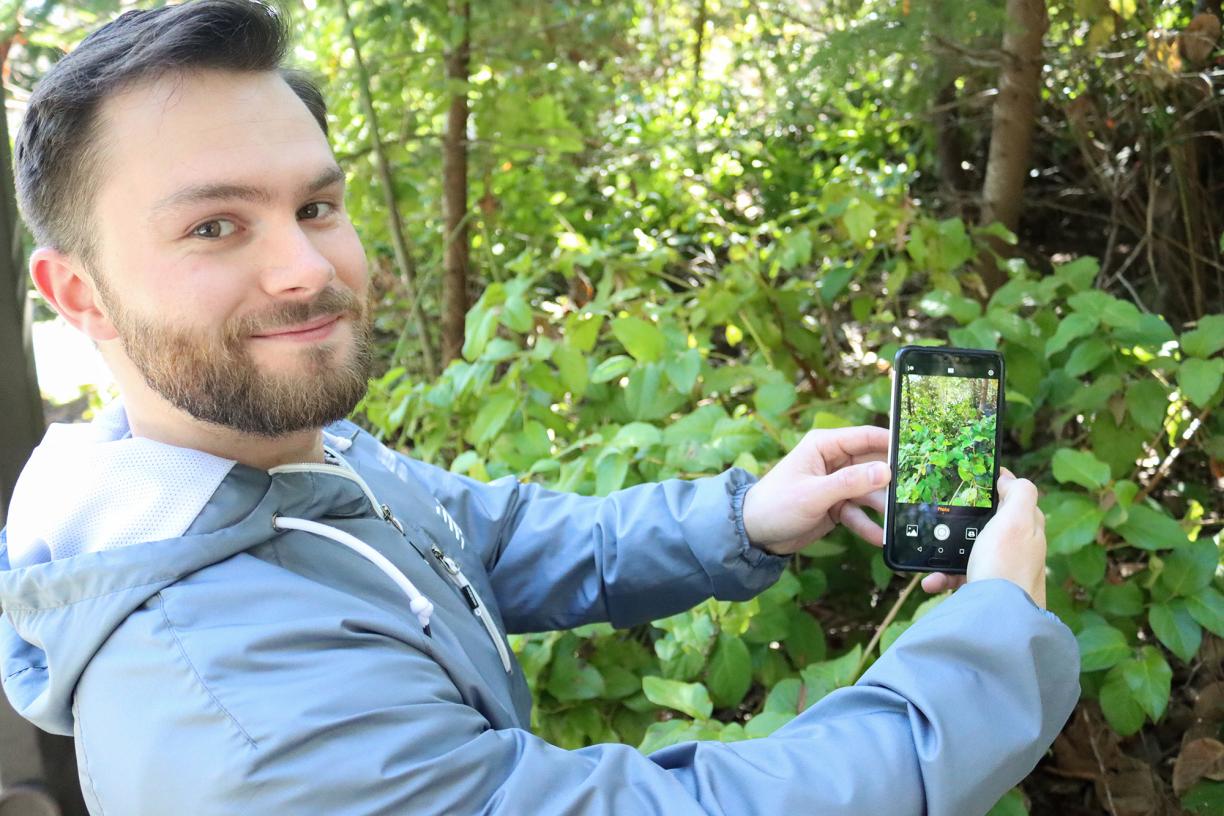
(1011, 546)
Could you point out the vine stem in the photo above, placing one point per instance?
(879, 632)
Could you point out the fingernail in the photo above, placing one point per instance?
(879, 473)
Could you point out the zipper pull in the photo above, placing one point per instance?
(445, 560)
(391, 519)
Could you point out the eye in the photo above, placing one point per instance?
(217, 228)
(316, 209)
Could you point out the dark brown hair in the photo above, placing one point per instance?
(57, 154)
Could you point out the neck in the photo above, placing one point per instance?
(154, 418)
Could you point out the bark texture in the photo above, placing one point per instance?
(457, 251)
(1011, 132)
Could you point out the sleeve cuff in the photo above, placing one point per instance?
(760, 568)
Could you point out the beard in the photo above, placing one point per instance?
(217, 380)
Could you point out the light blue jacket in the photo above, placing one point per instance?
(219, 642)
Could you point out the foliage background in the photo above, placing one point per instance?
(946, 445)
(699, 228)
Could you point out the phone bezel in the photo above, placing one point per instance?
(954, 567)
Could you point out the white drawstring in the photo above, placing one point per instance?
(418, 603)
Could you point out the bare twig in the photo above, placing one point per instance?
(879, 632)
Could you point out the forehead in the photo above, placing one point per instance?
(177, 131)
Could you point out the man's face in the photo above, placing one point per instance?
(220, 226)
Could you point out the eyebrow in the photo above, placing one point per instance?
(223, 191)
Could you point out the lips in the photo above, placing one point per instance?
(302, 328)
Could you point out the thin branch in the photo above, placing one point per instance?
(403, 259)
(879, 632)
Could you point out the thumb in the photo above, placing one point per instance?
(853, 481)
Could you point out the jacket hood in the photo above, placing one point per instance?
(101, 521)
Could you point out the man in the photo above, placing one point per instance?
(240, 603)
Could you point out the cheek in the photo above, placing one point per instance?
(347, 254)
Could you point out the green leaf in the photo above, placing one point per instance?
(610, 473)
(794, 248)
(612, 368)
(572, 679)
(1078, 274)
(774, 398)
(729, 675)
(1200, 379)
(1206, 339)
(1088, 565)
(642, 339)
(1204, 799)
(1148, 402)
(1071, 327)
(859, 219)
(805, 642)
(638, 435)
(1149, 330)
(829, 675)
(582, 329)
(661, 735)
(1150, 529)
(881, 575)
(1012, 804)
(1073, 523)
(785, 696)
(492, 416)
(1119, 705)
(1081, 468)
(1150, 680)
(1172, 624)
(1101, 647)
(572, 366)
(767, 722)
(1088, 354)
(516, 314)
(682, 369)
(1190, 567)
(689, 698)
(941, 302)
(1124, 600)
(478, 329)
(1207, 607)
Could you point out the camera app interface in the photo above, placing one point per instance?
(947, 427)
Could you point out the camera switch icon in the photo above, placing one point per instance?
(971, 533)
(911, 530)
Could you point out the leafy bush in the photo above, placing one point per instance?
(663, 373)
(946, 446)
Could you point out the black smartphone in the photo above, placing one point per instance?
(947, 428)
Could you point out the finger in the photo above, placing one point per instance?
(840, 445)
(875, 500)
(1017, 496)
(850, 482)
(853, 517)
(935, 582)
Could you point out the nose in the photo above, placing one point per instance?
(293, 264)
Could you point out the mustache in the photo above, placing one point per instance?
(330, 301)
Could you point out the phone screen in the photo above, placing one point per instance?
(947, 431)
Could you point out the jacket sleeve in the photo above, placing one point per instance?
(955, 713)
(560, 560)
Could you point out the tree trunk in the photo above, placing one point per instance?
(1011, 133)
(399, 241)
(457, 255)
(38, 772)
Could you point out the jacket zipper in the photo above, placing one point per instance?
(474, 602)
(469, 593)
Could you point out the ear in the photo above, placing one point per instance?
(62, 280)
